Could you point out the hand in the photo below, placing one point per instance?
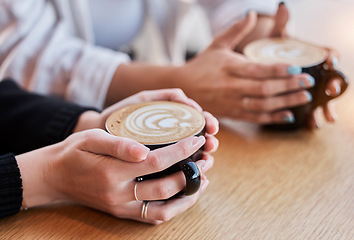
(98, 170)
(227, 84)
(92, 119)
(275, 26)
(267, 26)
(333, 90)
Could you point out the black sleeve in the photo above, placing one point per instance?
(29, 121)
(10, 186)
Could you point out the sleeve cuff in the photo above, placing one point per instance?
(10, 186)
(63, 122)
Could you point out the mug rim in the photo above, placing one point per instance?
(194, 133)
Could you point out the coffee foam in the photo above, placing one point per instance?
(157, 122)
(284, 50)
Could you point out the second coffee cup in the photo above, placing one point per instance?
(158, 124)
(311, 59)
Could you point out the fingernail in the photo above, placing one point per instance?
(289, 118)
(281, 3)
(294, 70)
(198, 141)
(311, 80)
(139, 151)
(206, 165)
(308, 96)
(204, 185)
(334, 62)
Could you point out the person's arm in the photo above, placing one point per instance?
(58, 172)
(30, 121)
(47, 57)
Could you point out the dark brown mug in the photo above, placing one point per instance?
(158, 124)
(311, 58)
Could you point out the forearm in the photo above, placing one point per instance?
(135, 77)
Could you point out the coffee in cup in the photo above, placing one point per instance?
(311, 58)
(158, 124)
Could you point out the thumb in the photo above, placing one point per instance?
(281, 18)
(232, 36)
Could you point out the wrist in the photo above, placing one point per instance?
(88, 120)
(36, 177)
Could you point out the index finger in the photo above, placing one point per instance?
(165, 157)
(241, 66)
(98, 141)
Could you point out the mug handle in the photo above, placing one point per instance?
(327, 75)
(191, 173)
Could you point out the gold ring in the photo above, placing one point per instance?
(135, 195)
(144, 209)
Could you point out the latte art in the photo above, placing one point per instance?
(156, 122)
(284, 50)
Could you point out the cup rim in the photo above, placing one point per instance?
(194, 133)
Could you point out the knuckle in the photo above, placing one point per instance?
(276, 70)
(258, 104)
(155, 162)
(108, 198)
(164, 215)
(163, 191)
(264, 88)
(263, 118)
(178, 91)
(253, 69)
(185, 149)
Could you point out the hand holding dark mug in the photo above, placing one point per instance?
(159, 124)
(305, 58)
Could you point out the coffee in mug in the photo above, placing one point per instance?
(311, 58)
(158, 124)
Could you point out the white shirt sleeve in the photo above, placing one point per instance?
(222, 13)
(49, 59)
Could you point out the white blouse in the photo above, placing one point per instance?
(116, 23)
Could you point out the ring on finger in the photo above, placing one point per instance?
(144, 209)
(135, 190)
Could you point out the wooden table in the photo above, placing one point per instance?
(264, 185)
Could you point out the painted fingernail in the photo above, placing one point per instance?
(281, 3)
(294, 70)
(289, 119)
(311, 80)
(308, 96)
(198, 141)
(334, 62)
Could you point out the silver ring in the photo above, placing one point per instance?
(245, 102)
(135, 195)
(144, 210)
